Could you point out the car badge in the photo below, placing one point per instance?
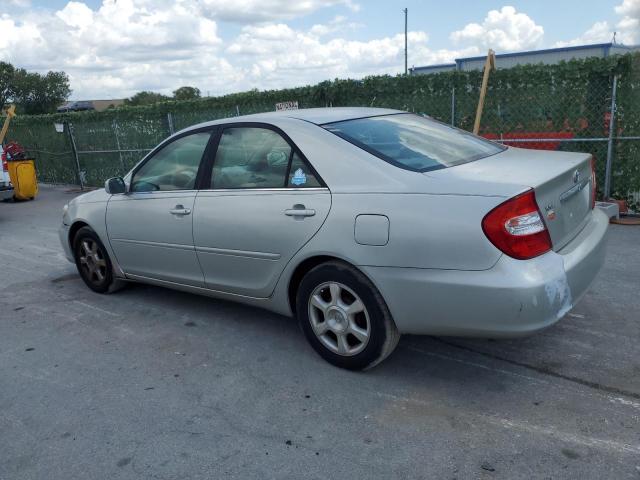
(551, 213)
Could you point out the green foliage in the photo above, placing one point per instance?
(186, 93)
(32, 92)
(36, 94)
(6, 82)
(572, 98)
(145, 98)
(626, 167)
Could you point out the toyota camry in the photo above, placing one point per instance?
(362, 223)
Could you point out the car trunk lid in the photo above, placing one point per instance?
(561, 181)
(565, 201)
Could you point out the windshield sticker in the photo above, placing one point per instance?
(299, 178)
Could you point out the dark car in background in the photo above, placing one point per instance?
(76, 107)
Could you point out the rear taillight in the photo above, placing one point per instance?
(516, 227)
(594, 184)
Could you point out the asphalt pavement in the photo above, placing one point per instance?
(154, 383)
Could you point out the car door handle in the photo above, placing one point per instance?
(180, 210)
(299, 211)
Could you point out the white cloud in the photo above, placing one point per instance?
(337, 24)
(629, 25)
(276, 55)
(627, 29)
(76, 14)
(254, 11)
(600, 32)
(629, 8)
(125, 46)
(122, 47)
(504, 29)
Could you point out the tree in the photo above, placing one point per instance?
(186, 93)
(6, 82)
(145, 98)
(34, 93)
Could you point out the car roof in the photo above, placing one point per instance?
(321, 116)
(318, 116)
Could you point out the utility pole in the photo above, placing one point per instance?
(406, 71)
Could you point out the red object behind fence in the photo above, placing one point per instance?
(550, 145)
(13, 151)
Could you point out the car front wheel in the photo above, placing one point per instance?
(344, 317)
(92, 261)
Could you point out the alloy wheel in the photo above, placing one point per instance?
(339, 318)
(92, 261)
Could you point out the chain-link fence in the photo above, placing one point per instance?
(587, 106)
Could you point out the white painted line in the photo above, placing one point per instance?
(536, 380)
(97, 309)
(477, 365)
(576, 439)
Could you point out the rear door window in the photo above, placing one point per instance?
(301, 175)
(256, 157)
(250, 158)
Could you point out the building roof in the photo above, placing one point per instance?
(605, 48)
(551, 50)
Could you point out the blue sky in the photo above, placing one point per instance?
(113, 48)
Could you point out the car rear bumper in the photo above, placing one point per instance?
(513, 298)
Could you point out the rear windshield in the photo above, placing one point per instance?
(413, 142)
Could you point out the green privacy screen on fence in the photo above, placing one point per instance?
(565, 107)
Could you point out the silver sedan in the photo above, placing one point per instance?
(362, 223)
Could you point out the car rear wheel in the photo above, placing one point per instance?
(92, 261)
(344, 317)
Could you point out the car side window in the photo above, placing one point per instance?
(250, 157)
(301, 175)
(175, 167)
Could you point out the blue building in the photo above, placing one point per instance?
(548, 56)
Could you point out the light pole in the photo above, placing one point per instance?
(405, 41)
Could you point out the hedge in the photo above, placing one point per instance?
(572, 98)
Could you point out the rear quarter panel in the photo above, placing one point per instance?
(425, 231)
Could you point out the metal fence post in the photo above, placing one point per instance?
(115, 132)
(453, 106)
(607, 174)
(237, 111)
(170, 122)
(74, 150)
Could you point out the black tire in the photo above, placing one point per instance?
(383, 335)
(88, 265)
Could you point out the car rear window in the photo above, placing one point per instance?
(413, 142)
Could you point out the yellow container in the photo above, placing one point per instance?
(23, 177)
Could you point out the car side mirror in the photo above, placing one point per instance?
(115, 186)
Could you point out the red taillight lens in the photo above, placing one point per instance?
(594, 184)
(516, 227)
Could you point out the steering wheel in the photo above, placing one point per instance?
(144, 186)
(184, 178)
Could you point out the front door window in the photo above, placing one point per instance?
(175, 167)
